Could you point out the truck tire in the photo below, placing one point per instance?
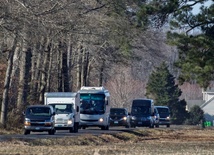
(71, 130)
(26, 132)
(105, 127)
(76, 127)
(51, 132)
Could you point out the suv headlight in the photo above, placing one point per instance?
(48, 123)
(133, 118)
(27, 122)
(124, 118)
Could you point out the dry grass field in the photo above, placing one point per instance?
(162, 141)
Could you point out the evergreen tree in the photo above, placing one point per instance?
(162, 88)
(192, 32)
(196, 115)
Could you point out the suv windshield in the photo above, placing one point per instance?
(38, 111)
(163, 110)
(117, 112)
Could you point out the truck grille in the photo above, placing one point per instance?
(61, 121)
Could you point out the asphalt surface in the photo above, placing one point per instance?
(64, 133)
(90, 130)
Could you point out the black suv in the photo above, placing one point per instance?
(39, 118)
(119, 117)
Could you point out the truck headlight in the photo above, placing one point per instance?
(101, 120)
(69, 122)
(27, 122)
(168, 118)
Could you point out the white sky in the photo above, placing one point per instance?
(197, 7)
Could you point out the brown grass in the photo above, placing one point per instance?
(163, 141)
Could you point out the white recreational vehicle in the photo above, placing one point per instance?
(66, 106)
(95, 107)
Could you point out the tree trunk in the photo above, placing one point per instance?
(24, 72)
(43, 83)
(59, 59)
(65, 72)
(24, 78)
(44, 72)
(4, 105)
(49, 68)
(35, 79)
(69, 54)
(101, 73)
(79, 66)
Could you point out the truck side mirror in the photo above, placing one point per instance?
(78, 109)
(106, 101)
(53, 113)
(23, 113)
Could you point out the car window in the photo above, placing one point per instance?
(117, 112)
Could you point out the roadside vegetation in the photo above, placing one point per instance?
(190, 140)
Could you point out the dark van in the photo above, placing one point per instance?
(142, 112)
(164, 113)
(39, 118)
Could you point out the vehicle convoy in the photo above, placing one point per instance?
(66, 106)
(95, 107)
(142, 112)
(164, 113)
(39, 118)
(119, 117)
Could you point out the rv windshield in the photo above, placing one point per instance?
(92, 104)
(38, 111)
(62, 108)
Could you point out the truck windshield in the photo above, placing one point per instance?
(38, 111)
(62, 108)
(92, 104)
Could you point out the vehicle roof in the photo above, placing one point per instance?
(119, 108)
(48, 106)
(143, 99)
(161, 107)
(60, 94)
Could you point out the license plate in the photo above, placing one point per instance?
(139, 122)
(37, 128)
(59, 125)
(115, 122)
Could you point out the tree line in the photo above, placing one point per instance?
(63, 45)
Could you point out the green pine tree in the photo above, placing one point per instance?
(162, 88)
(192, 32)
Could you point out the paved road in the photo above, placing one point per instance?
(64, 133)
(92, 131)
